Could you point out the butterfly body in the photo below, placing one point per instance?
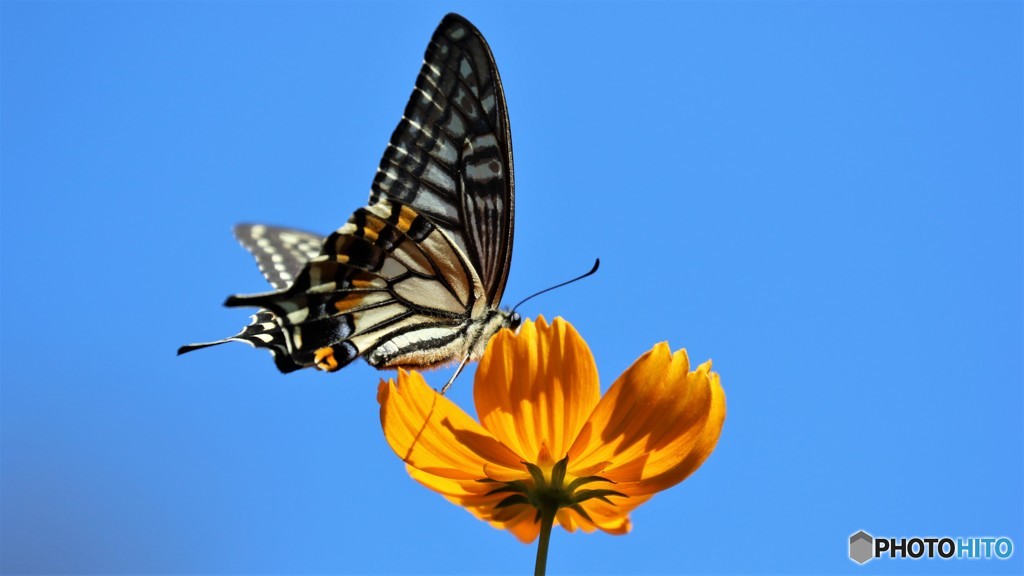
(413, 279)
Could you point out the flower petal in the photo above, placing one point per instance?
(655, 425)
(524, 526)
(431, 433)
(476, 498)
(534, 390)
(610, 518)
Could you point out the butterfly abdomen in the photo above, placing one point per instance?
(432, 345)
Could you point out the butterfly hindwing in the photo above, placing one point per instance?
(263, 331)
(280, 253)
(377, 290)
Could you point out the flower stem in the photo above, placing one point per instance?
(547, 520)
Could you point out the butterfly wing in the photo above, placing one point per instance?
(450, 158)
(264, 331)
(414, 278)
(389, 285)
(281, 254)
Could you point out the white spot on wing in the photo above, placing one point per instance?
(428, 293)
(392, 268)
(439, 177)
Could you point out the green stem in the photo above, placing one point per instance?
(547, 520)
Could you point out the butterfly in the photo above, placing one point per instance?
(414, 278)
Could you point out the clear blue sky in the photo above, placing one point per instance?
(825, 198)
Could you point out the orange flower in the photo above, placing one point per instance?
(547, 443)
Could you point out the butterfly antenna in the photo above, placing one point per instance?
(597, 263)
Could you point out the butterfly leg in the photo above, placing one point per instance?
(458, 370)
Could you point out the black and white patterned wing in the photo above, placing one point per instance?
(389, 286)
(414, 278)
(264, 331)
(450, 158)
(280, 253)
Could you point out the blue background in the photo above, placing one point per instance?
(825, 198)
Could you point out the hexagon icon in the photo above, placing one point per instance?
(861, 545)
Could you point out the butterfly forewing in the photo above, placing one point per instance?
(450, 157)
(280, 253)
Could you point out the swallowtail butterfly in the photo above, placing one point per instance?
(413, 279)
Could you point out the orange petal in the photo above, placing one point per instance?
(474, 497)
(534, 390)
(431, 433)
(655, 425)
(524, 526)
(567, 519)
(613, 519)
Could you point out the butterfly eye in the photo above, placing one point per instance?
(514, 321)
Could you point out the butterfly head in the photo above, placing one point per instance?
(497, 319)
(488, 326)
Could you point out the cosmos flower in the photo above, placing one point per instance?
(548, 447)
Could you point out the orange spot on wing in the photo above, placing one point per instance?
(372, 229)
(405, 218)
(349, 302)
(325, 360)
(363, 280)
